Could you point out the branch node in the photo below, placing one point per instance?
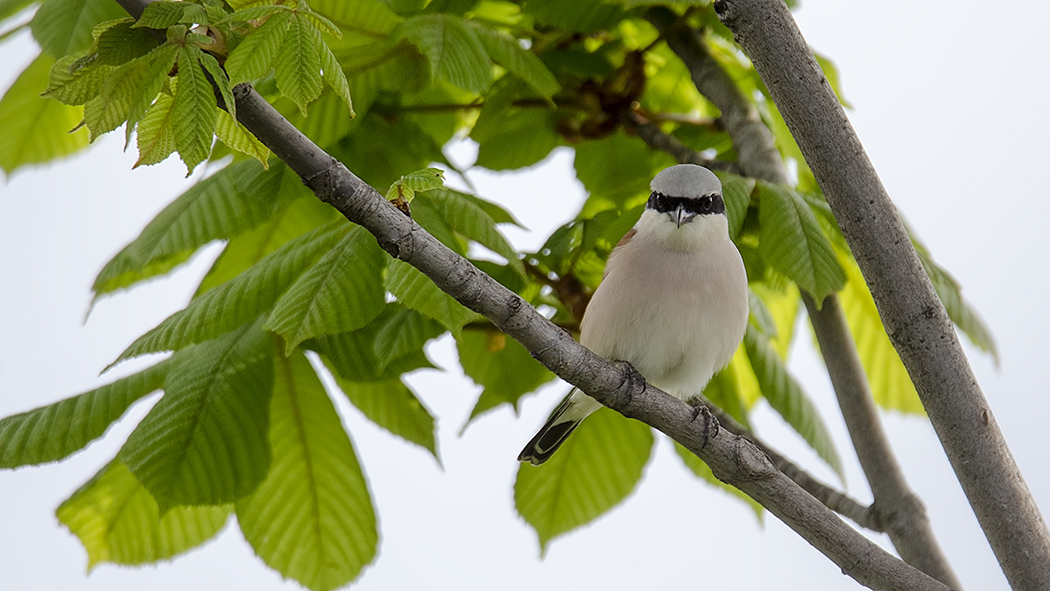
(631, 383)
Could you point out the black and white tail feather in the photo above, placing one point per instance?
(554, 432)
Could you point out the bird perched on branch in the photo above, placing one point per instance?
(673, 302)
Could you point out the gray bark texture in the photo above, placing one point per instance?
(913, 316)
(897, 510)
(732, 458)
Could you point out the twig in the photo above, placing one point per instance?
(898, 510)
(658, 140)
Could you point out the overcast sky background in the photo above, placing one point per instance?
(950, 102)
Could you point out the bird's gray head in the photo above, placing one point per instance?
(685, 191)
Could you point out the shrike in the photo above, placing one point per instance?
(673, 302)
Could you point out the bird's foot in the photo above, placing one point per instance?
(709, 427)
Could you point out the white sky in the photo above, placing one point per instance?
(949, 100)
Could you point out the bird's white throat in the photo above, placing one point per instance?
(694, 235)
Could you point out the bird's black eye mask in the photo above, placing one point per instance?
(710, 203)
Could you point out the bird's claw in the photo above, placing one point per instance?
(709, 427)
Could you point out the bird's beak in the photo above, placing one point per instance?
(681, 216)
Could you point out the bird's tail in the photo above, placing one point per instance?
(559, 426)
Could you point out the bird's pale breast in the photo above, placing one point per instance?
(675, 315)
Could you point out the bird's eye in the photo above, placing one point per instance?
(706, 203)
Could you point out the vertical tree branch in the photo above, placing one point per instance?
(896, 505)
(915, 319)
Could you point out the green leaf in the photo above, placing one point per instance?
(787, 398)
(725, 391)
(233, 134)
(959, 310)
(161, 62)
(327, 123)
(251, 247)
(831, 72)
(595, 469)
(194, 109)
(454, 51)
(161, 15)
(254, 57)
(779, 308)
(361, 20)
(319, 22)
(415, 290)
(120, 42)
(51, 433)
(156, 138)
(312, 518)
(241, 300)
(614, 170)
(335, 77)
(401, 332)
(505, 369)
(792, 241)
(521, 137)
(582, 16)
(354, 356)
(71, 84)
(890, 383)
(298, 64)
(106, 111)
(508, 52)
(9, 8)
(218, 75)
(205, 442)
(405, 187)
(341, 292)
(118, 521)
(468, 216)
(424, 180)
(702, 471)
(36, 129)
(224, 205)
(64, 27)
(736, 192)
(393, 406)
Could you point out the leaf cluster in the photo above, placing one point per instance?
(244, 425)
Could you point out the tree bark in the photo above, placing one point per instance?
(732, 459)
(914, 318)
(897, 509)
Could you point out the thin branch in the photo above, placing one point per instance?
(835, 500)
(899, 510)
(658, 140)
(914, 317)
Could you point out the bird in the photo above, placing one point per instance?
(673, 301)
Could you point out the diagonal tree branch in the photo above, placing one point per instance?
(896, 507)
(732, 459)
(914, 317)
(900, 511)
(835, 500)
